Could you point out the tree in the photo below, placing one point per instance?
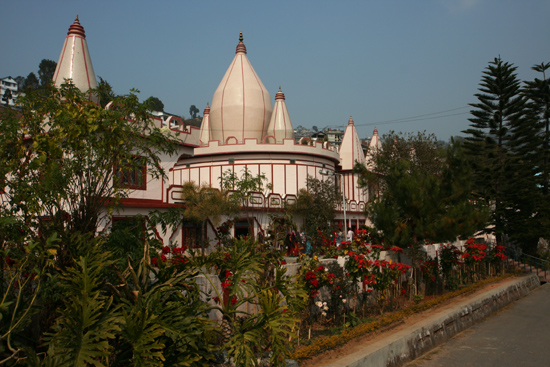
(243, 187)
(422, 199)
(193, 111)
(7, 96)
(538, 94)
(532, 219)
(316, 205)
(154, 104)
(499, 111)
(204, 203)
(20, 81)
(46, 70)
(31, 82)
(66, 159)
(105, 92)
(421, 150)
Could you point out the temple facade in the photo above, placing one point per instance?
(241, 130)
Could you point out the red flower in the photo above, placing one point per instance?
(178, 250)
(216, 299)
(154, 261)
(403, 291)
(233, 300)
(179, 260)
(166, 250)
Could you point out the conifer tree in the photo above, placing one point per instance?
(496, 117)
(537, 93)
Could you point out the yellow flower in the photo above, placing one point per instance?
(315, 258)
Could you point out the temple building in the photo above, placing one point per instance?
(241, 130)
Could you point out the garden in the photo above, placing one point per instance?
(240, 305)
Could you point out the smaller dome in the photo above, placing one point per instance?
(351, 150)
(280, 126)
(75, 63)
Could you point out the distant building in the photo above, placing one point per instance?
(8, 91)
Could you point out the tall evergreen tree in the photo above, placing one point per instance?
(46, 69)
(500, 109)
(537, 93)
(31, 82)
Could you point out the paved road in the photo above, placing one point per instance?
(518, 335)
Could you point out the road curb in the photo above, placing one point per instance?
(410, 343)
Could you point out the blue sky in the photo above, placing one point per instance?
(378, 61)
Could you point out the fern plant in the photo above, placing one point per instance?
(165, 321)
(89, 319)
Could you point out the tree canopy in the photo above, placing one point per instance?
(46, 70)
(315, 205)
(507, 145)
(154, 104)
(193, 111)
(64, 154)
(424, 190)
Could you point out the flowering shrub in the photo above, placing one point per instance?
(430, 269)
(334, 341)
(313, 276)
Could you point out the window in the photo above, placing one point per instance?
(133, 174)
(191, 235)
(243, 228)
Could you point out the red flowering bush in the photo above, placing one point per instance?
(474, 252)
(313, 276)
(430, 269)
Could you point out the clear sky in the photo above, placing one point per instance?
(378, 61)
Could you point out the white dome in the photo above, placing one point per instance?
(280, 126)
(241, 106)
(75, 62)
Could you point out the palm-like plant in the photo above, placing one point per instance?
(252, 335)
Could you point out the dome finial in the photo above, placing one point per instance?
(241, 47)
(76, 28)
(280, 94)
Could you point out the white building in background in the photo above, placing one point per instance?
(9, 91)
(241, 129)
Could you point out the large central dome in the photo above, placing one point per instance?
(241, 107)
